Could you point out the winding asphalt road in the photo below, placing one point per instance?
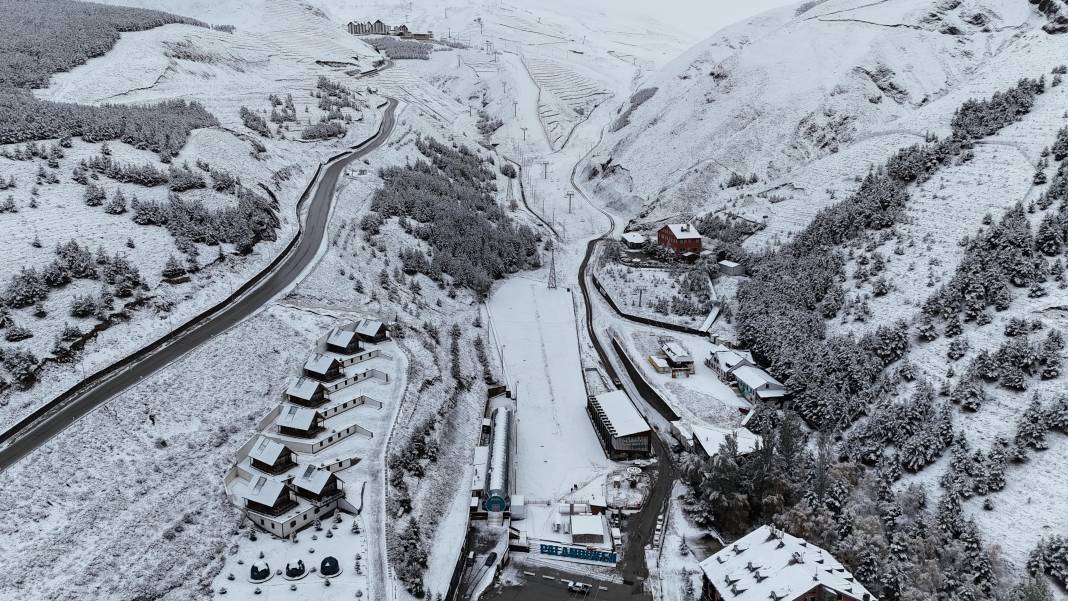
(255, 294)
(641, 527)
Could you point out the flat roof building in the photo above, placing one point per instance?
(622, 430)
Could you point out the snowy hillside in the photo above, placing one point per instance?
(793, 85)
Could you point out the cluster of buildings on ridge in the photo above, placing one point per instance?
(286, 477)
(380, 28)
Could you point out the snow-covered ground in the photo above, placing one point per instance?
(557, 446)
(245, 68)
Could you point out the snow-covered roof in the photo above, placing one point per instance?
(623, 417)
(369, 327)
(339, 337)
(264, 490)
(633, 237)
(755, 378)
(312, 479)
(769, 564)
(676, 352)
(266, 450)
(728, 359)
(587, 525)
(304, 388)
(726, 263)
(319, 363)
(683, 231)
(711, 438)
(299, 418)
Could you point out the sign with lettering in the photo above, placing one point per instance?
(572, 552)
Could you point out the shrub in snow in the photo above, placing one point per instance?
(25, 288)
(181, 179)
(16, 332)
(117, 204)
(94, 195)
(255, 122)
(83, 306)
(323, 130)
(21, 365)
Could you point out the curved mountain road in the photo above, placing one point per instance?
(60, 413)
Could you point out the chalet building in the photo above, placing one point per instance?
(271, 457)
(307, 392)
(706, 441)
(379, 27)
(622, 430)
(299, 422)
(317, 486)
(723, 361)
(769, 565)
(343, 342)
(371, 330)
(268, 496)
(678, 359)
(756, 384)
(323, 368)
(681, 238)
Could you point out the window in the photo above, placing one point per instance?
(294, 523)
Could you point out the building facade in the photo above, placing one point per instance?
(622, 430)
(680, 238)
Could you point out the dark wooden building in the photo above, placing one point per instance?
(680, 238)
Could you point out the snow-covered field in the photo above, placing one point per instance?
(653, 288)
(246, 67)
(557, 446)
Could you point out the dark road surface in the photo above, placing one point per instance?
(551, 585)
(88, 395)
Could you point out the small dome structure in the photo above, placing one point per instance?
(329, 567)
(260, 572)
(295, 570)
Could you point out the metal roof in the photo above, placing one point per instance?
(620, 413)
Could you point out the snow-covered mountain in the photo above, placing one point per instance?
(771, 94)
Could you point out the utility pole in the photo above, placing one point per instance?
(570, 195)
(524, 133)
(544, 169)
(515, 103)
(552, 268)
(640, 290)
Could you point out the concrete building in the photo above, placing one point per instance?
(768, 564)
(622, 430)
(755, 383)
(679, 237)
(587, 529)
(730, 268)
